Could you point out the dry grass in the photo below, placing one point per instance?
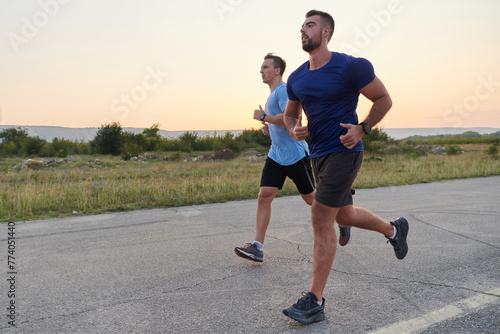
(83, 187)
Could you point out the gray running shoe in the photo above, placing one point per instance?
(306, 310)
(399, 242)
(250, 252)
(345, 235)
(345, 231)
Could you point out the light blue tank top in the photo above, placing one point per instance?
(284, 149)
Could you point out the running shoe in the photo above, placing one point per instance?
(345, 231)
(250, 252)
(345, 235)
(399, 242)
(306, 310)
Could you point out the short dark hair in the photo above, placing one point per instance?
(277, 62)
(326, 20)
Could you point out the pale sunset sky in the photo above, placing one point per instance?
(194, 65)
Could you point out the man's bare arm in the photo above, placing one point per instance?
(273, 119)
(293, 112)
(375, 91)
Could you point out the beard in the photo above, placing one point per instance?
(311, 45)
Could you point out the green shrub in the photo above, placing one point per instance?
(492, 151)
(413, 151)
(32, 146)
(454, 150)
(109, 139)
(8, 149)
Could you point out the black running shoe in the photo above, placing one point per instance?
(307, 309)
(250, 252)
(345, 231)
(399, 242)
(345, 235)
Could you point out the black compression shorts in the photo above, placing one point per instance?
(274, 175)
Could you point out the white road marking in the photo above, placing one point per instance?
(462, 307)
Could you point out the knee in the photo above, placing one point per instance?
(266, 196)
(342, 220)
(320, 218)
(318, 224)
(309, 198)
(345, 218)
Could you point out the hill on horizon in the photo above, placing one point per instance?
(87, 134)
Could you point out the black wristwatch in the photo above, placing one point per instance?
(262, 117)
(366, 127)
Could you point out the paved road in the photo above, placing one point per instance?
(174, 270)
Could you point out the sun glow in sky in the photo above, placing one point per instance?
(194, 65)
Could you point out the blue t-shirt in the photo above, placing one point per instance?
(284, 149)
(329, 96)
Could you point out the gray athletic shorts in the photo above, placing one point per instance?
(335, 174)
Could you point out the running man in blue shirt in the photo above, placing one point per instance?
(327, 87)
(287, 157)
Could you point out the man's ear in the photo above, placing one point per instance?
(326, 31)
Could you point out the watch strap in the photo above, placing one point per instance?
(366, 127)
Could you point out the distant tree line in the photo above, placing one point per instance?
(111, 139)
(468, 137)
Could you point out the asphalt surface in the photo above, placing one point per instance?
(174, 270)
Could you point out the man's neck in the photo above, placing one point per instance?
(275, 83)
(319, 58)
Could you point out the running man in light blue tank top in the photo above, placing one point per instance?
(287, 157)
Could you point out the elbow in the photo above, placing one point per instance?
(389, 103)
